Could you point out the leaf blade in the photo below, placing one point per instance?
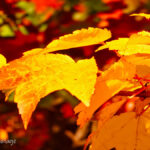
(78, 38)
(36, 76)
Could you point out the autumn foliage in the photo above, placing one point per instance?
(115, 98)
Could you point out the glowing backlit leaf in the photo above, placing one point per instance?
(136, 49)
(115, 44)
(78, 38)
(147, 16)
(127, 131)
(110, 83)
(139, 38)
(36, 76)
(144, 33)
(138, 43)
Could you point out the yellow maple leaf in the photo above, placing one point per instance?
(147, 16)
(110, 83)
(2, 60)
(136, 49)
(126, 131)
(138, 43)
(78, 38)
(119, 44)
(36, 76)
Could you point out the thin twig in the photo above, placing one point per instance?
(130, 93)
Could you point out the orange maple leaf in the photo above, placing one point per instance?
(126, 131)
(36, 76)
(110, 83)
(107, 112)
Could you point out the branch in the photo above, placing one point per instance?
(130, 93)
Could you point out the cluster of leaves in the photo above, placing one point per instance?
(26, 30)
(103, 94)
